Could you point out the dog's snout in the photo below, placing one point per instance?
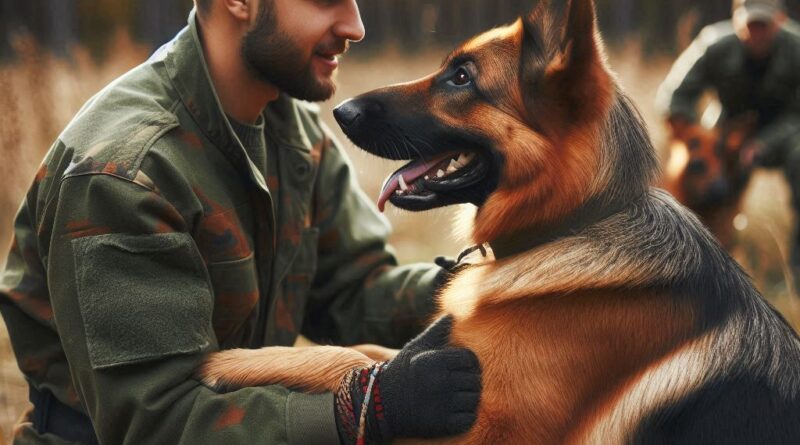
(347, 113)
(373, 108)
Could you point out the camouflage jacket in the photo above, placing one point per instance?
(717, 61)
(150, 238)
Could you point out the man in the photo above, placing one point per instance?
(752, 64)
(193, 206)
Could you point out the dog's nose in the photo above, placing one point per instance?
(347, 113)
(354, 110)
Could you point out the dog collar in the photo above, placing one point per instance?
(529, 239)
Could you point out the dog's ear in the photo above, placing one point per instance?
(562, 59)
(579, 43)
(536, 39)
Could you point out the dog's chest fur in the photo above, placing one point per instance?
(568, 361)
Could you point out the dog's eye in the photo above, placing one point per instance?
(461, 78)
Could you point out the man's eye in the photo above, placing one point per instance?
(461, 78)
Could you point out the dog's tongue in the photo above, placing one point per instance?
(411, 173)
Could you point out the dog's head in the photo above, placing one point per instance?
(705, 169)
(520, 121)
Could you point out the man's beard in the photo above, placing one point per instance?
(272, 56)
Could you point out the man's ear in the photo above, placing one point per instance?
(243, 10)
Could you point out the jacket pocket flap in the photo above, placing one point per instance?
(142, 297)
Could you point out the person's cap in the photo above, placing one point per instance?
(747, 11)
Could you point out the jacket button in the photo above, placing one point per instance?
(302, 169)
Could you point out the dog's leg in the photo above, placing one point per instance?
(377, 353)
(311, 369)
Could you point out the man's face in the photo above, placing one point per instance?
(294, 43)
(758, 36)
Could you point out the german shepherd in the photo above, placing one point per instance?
(705, 173)
(609, 315)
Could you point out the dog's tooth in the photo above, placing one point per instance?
(452, 167)
(398, 192)
(440, 173)
(427, 178)
(403, 185)
(463, 159)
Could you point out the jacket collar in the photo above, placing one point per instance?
(186, 66)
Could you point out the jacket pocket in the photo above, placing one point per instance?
(236, 296)
(142, 297)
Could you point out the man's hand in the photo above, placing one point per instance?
(428, 390)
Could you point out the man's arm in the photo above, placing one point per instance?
(359, 293)
(774, 140)
(133, 307)
(678, 95)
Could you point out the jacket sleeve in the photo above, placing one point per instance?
(679, 93)
(133, 307)
(359, 293)
(778, 137)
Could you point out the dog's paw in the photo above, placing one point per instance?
(212, 373)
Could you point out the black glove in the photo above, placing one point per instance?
(428, 390)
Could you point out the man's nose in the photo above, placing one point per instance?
(349, 26)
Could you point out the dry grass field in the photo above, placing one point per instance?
(39, 94)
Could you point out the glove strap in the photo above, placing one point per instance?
(372, 393)
(359, 421)
(345, 411)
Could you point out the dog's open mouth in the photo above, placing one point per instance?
(420, 183)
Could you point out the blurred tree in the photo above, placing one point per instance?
(51, 23)
(158, 20)
(99, 19)
(377, 26)
(660, 26)
(8, 24)
(617, 18)
(60, 24)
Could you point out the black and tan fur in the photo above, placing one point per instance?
(610, 315)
